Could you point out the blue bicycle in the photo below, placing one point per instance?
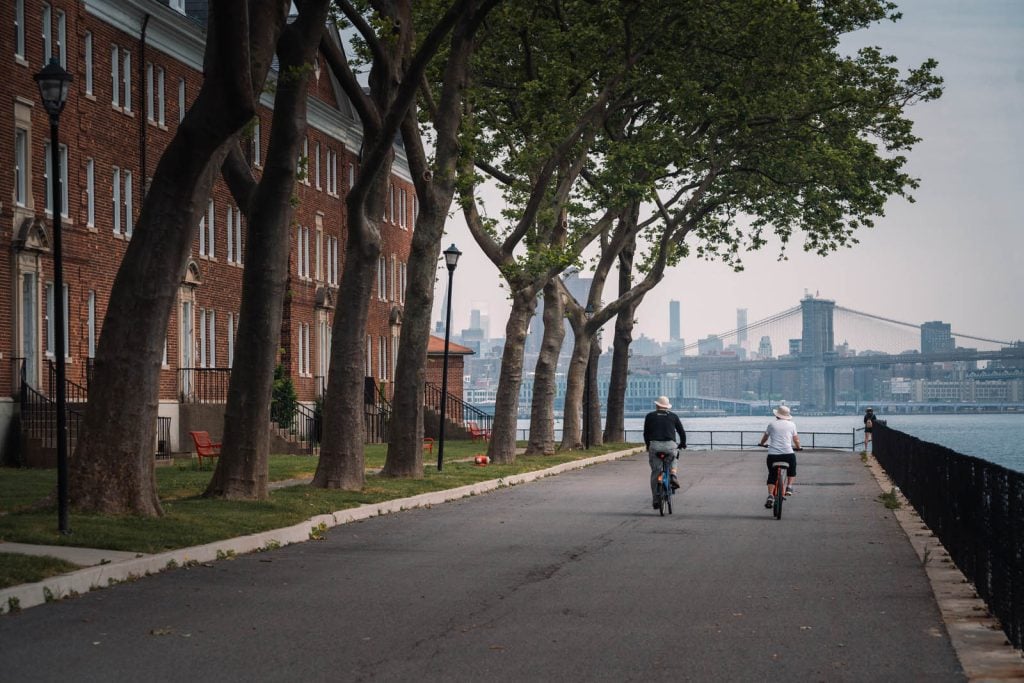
(665, 483)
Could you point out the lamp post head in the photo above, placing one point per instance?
(53, 83)
(451, 257)
(588, 312)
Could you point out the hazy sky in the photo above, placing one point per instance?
(956, 254)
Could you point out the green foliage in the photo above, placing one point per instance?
(17, 569)
(891, 500)
(284, 400)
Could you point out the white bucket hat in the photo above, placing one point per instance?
(782, 412)
(662, 402)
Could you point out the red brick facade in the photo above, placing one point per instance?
(112, 148)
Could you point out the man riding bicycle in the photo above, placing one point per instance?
(661, 426)
(782, 439)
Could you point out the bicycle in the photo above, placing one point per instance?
(781, 485)
(665, 483)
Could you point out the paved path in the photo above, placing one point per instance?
(572, 577)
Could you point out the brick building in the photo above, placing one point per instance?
(137, 65)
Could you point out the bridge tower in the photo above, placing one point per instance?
(818, 387)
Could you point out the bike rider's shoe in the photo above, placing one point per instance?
(675, 482)
(656, 504)
(770, 502)
(790, 491)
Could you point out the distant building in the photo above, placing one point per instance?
(936, 337)
(673, 320)
(710, 345)
(764, 349)
(741, 327)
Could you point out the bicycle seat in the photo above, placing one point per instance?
(780, 464)
(662, 455)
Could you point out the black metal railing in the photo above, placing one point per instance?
(711, 440)
(163, 438)
(203, 385)
(301, 428)
(74, 392)
(456, 410)
(39, 419)
(974, 507)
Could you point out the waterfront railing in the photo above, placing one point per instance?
(718, 440)
(975, 509)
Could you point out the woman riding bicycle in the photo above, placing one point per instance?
(660, 429)
(782, 439)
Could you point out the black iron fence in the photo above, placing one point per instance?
(974, 507)
(203, 385)
(456, 410)
(710, 440)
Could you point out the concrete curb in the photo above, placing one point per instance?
(112, 573)
(980, 644)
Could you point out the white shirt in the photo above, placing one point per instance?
(780, 437)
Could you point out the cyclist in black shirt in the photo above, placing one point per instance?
(661, 426)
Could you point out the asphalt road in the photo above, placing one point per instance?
(571, 578)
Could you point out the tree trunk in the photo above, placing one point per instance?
(542, 408)
(593, 407)
(572, 413)
(502, 447)
(614, 428)
(112, 471)
(242, 468)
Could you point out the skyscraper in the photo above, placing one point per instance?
(741, 327)
(936, 337)
(673, 320)
(764, 349)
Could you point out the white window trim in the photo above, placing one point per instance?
(211, 226)
(181, 100)
(19, 29)
(46, 34)
(116, 196)
(91, 325)
(126, 77)
(115, 76)
(90, 192)
(88, 63)
(21, 161)
(129, 208)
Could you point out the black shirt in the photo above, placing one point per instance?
(872, 418)
(663, 425)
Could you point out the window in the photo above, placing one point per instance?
(62, 29)
(202, 236)
(351, 176)
(150, 93)
(210, 229)
(316, 162)
(256, 159)
(91, 329)
(51, 334)
(231, 339)
(20, 167)
(212, 320)
(304, 163)
(126, 77)
(394, 353)
(128, 210)
(63, 161)
(391, 203)
(160, 95)
(323, 350)
(369, 356)
(181, 100)
(115, 79)
(302, 251)
(317, 273)
(332, 260)
(90, 192)
(19, 28)
(116, 195)
(178, 5)
(382, 360)
(402, 281)
(47, 38)
(303, 350)
(332, 171)
(381, 282)
(88, 63)
(392, 281)
(403, 207)
(203, 348)
(207, 338)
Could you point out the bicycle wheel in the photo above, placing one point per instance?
(668, 502)
(780, 493)
(664, 502)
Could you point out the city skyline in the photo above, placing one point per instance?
(952, 255)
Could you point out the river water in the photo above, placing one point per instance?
(998, 438)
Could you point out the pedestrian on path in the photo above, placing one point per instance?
(869, 423)
(661, 426)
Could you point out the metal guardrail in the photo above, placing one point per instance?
(456, 410)
(975, 509)
(710, 440)
(203, 385)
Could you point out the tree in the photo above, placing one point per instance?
(242, 468)
(397, 67)
(112, 471)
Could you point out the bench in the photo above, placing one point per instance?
(477, 433)
(205, 448)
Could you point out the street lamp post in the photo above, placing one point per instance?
(53, 84)
(451, 259)
(588, 313)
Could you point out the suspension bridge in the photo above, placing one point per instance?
(799, 348)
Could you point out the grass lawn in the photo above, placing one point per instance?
(28, 507)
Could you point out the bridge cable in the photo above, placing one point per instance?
(918, 327)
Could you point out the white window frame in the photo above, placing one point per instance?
(46, 33)
(115, 76)
(211, 319)
(305, 159)
(126, 78)
(90, 192)
(317, 269)
(211, 227)
(129, 208)
(21, 160)
(88, 63)
(150, 94)
(202, 235)
(62, 38)
(369, 356)
(351, 176)
(91, 325)
(393, 279)
(116, 197)
(231, 340)
(382, 358)
(181, 100)
(160, 105)
(231, 238)
(64, 196)
(19, 29)
(316, 151)
(177, 5)
(332, 260)
(202, 337)
(257, 160)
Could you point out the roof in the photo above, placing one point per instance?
(435, 347)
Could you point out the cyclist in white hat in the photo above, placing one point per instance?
(781, 438)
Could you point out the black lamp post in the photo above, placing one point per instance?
(53, 89)
(451, 259)
(588, 313)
